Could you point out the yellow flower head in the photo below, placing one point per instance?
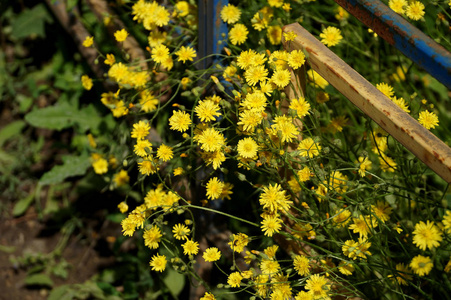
(140, 130)
(302, 265)
(247, 148)
(281, 78)
(180, 121)
(214, 188)
(190, 247)
(212, 254)
(185, 53)
(121, 35)
(100, 166)
(421, 265)
(207, 110)
(296, 59)
(121, 178)
(319, 286)
(230, 14)
(426, 235)
(289, 36)
(271, 224)
(428, 119)
(274, 199)
(211, 140)
(234, 279)
(110, 60)
(86, 82)
(309, 148)
(415, 10)
(152, 237)
(301, 106)
(165, 152)
(274, 34)
(238, 34)
(331, 36)
(398, 6)
(181, 231)
(88, 42)
(158, 263)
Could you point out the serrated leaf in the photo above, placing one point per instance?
(39, 279)
(175, 282)
(72, 166)
(54, 117)
(63, 292)
(22, 205)
(11, 130)
(87, 118)
(31, 22)
(63, 116)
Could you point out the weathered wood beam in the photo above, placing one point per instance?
(405, 129)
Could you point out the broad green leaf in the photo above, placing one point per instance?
(63, 116)
(174, 281)
(63, 292)
(72, 166)
(11, 130)
(87, 118)
(89, 289)
(22, 205)
(108, 288)
(39, 279)
(31, 22)
(54, 117)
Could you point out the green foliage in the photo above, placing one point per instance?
(11, 130)
(64, 115)
(22, 205)
(72, 166)
(31, 22)
(39, 279)
(175, 282)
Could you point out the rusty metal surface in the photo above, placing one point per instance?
(408, 39)
(400, 125)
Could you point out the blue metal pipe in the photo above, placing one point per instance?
(408, 39)
(211, 28)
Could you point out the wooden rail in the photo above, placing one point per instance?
(400, 125)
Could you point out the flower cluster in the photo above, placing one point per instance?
(300, 167)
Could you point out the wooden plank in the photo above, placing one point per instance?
(399, 33)
(400, 125)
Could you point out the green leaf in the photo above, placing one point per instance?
(11, 130)
(63, 292)
(31, 22)
(63, 116)
(174, 281)
(54, 117)
(7, 249)
(22, 205)
(116, 218)
(108, 288)
(72, 166)
(39, 279)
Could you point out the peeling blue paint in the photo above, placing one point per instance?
(408, 39)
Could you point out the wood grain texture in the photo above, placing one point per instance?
(400, 125)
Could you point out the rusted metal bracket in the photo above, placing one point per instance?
(405, 129)
(408, 39)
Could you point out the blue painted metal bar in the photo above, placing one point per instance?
(412, 42)
(211, 28)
